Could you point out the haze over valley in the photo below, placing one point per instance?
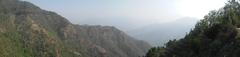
(133, 15)
(119, 28)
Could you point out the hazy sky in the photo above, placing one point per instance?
(128, 12)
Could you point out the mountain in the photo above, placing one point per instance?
(217, 35)
(28, 31)
(159, 34)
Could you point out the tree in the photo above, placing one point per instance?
(214, 36)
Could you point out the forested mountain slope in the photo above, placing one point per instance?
(217, 35)
(28, 31)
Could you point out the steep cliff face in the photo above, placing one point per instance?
(28, 31)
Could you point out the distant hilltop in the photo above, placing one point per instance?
(28, 31)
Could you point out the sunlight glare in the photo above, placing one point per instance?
(198, 8)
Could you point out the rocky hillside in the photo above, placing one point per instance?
(28, 31)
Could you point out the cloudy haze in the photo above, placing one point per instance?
(134, 13)
(155, 21)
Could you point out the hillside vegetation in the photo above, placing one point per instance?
(28, 31)
(217, 35)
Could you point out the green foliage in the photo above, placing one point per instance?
(28, 31)
(11, 45)
(214, 36)
(156, 52)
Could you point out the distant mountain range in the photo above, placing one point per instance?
(159, 34)
(28, 31)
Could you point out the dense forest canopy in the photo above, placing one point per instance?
(217, 35)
